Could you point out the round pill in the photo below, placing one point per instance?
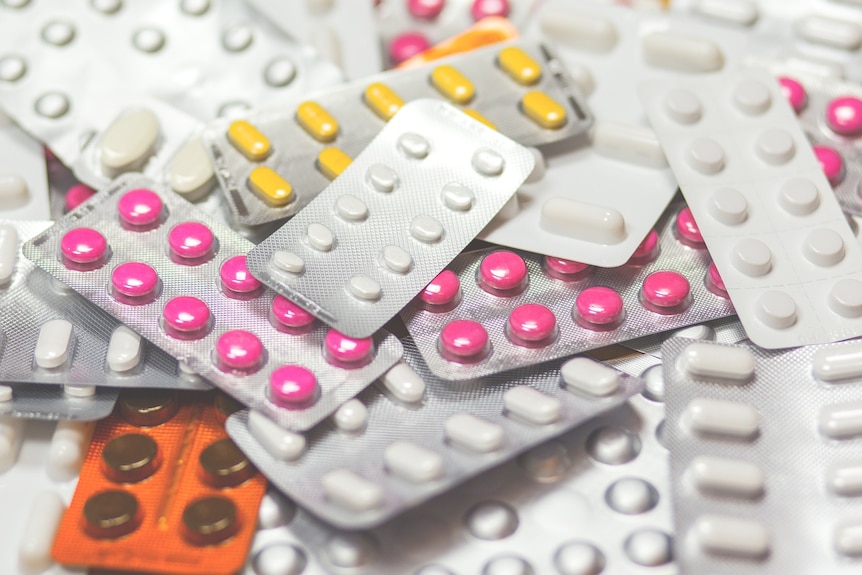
(443, 289)
(775, 146)
(799, 197)
(464, 339)
(77, 195)
(239, 349)
(210, 520)
(845, 298)
(130, 458)
(364, 288)
(111, 514)
(279, 558)
(649, 547)
(186, 314)
(705, 156)
(631, 496)
(714, 282)
(83, 245)
(148, 407)
(752, 257)
(502, 271)
(149, 40)
(728, 206)
(664, 291)
(425, 9)
(844, 116)
(348, 350)
(776, 309)
(12, 68)
(565, 269)
(224, 465)
(647, 250)
(107, 6)
(290, 315)
(751, 97)
(831, 163)
(599, 306)
(405, 46)
(58, 32)
(191, 240)
(579, 558)
(52, 105)
(687, 229)
(823, 247)
(487, 8)
(235, 276)
(532, 322)
(292, 385)
(139, 207)
(134, 279)
(195, 7)
(683, 106)
(794, 92)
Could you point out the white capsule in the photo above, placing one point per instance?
(14, 192)
(845, 479)
(738, 12)
(629, 143)
(351, 416)
(724, 476)
(124, 349)
(848, 539)
(319, 237)
(280, 443)
(841, 34)
(396, 259)
(351, 208)
(488, 162)
(426, 229)
(351, 491)
(721, 417)
(68, 449)
(532, 405)
(413, 462)
(285, 261)
(404, 383)
(54, 343)
(457, 197)
(723, 535)
(8, 252)
(839, 362)
(11, 436)
(590, 376)
(40, 529)
(364, 288)
(841, 420)
(190, 174)
(710, 361)
(682, 53)
(129, 142)
(413, 145)
(579, 220)
(474, 433)
(579, 29)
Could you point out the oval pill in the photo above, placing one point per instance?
(583, 221)
(8, 252)
(847, 539)
(721, 417)
(532, 405)
(54, 343)
(319, 237)
(840, 34)
(590, 376)
(841, 420)
(579, 29)
(474, 433)
(519, 66)
(710, 361)
(382, 100)
(280, 443)
(124, 350)
(457, 197)
(725, 476)
(396, 259)
(191, 174)
(270, 187)
(39, 531)
(840, 362)
(724, 535)
(413, 462)
(629, 143)
(332, 162)
(364, 288)
(452, 84)
(543, 110)
(316, 121)
(351, 208)
(351, 491)
(129, 142)
(413, 146)
(682, 53)
(404, 383)
(845, 479)
(248, 140)
(739, 12)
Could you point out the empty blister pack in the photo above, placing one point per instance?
(785, 251)
(23, 185)
(417, 435)
(180, 280)
(397, 215)
(57, 402)
(275, 161)
(750, 430)
(493, 310)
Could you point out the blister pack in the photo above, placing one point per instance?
(624, 181)
(56, 402)
(493, 310)
(743, 444)
(487, 31)
(417, 435)
(785, 251)
(162, 489)
(397, 215)
(180, 280)
(205, 57)
(725, 330)
(275, 161)
(23, 185)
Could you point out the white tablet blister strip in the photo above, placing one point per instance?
(399, 213)
(750, 430)
(418, 435)
(494, 310)
(51, 335)
(23, 176)
(623, 181)
(785, 251)
(56, 402)
(180, 280)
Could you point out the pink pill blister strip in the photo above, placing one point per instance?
(494, 310)
(179, 279)
(788, 257)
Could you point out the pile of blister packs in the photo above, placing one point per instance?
(430, 287)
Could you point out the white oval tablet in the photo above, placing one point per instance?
(841, 34)
(8, 252)
(426, 229)
(457, 197)
(488, 162)
(351, 491)
(286, 261)
(124, 349)
(413, 462)
(629, 143)
(590, 376)
(352, 416)
(724, 535)
(381, 178)
(711, 361)
(319, 237)
(721, 417)
(681, 53)
(474, 433)
(838, 362)
(532, 405)
(724, 476)
(14, 192)
(54, 343)
(396, 259)
(737, 12)
(841, 420)
(191, 175)
(413, 145)
(351, 208)
(280, 443)
(583, 221)
(364, 288)
(404, 383)
(129, 142)
(578, 29)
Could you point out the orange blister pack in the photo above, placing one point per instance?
(163, 490)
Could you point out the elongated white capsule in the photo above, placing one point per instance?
(37, 537)
(628, 143)
(69, 446)
(709, 361)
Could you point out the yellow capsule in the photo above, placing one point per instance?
(543, 110)
(332, 161)
(453, 84)
(477, 116)
(519, 66)
(274, 190)
(315, 120)
(248, 140)
(382, 100)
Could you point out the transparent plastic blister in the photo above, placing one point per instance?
(23, 184)
(493, 310)
(406, 452)
(785, 251)
(308, 143)
(400, 212)
(765, 449)
(195, 299)
(56, 402)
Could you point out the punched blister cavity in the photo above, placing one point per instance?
(784, 249)
(399, 213)
(412, 448)
(493, 310)
(274, 161)
(742, 445)
(180, 280)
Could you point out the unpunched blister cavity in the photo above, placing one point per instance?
(743, 443)
(188, 291)
(274, 161)
(408, 205)
(56, 402)
(785, 251)
(493, 310)
(429, 442)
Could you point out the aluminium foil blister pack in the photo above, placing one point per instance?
(51, 335)
(397, 215)
(23, 185)
(532, 308)
(785, 251)
(725, 330)
(57, 402)
(205, 309)
(421, 435)
(765, 457)
(308, 143)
